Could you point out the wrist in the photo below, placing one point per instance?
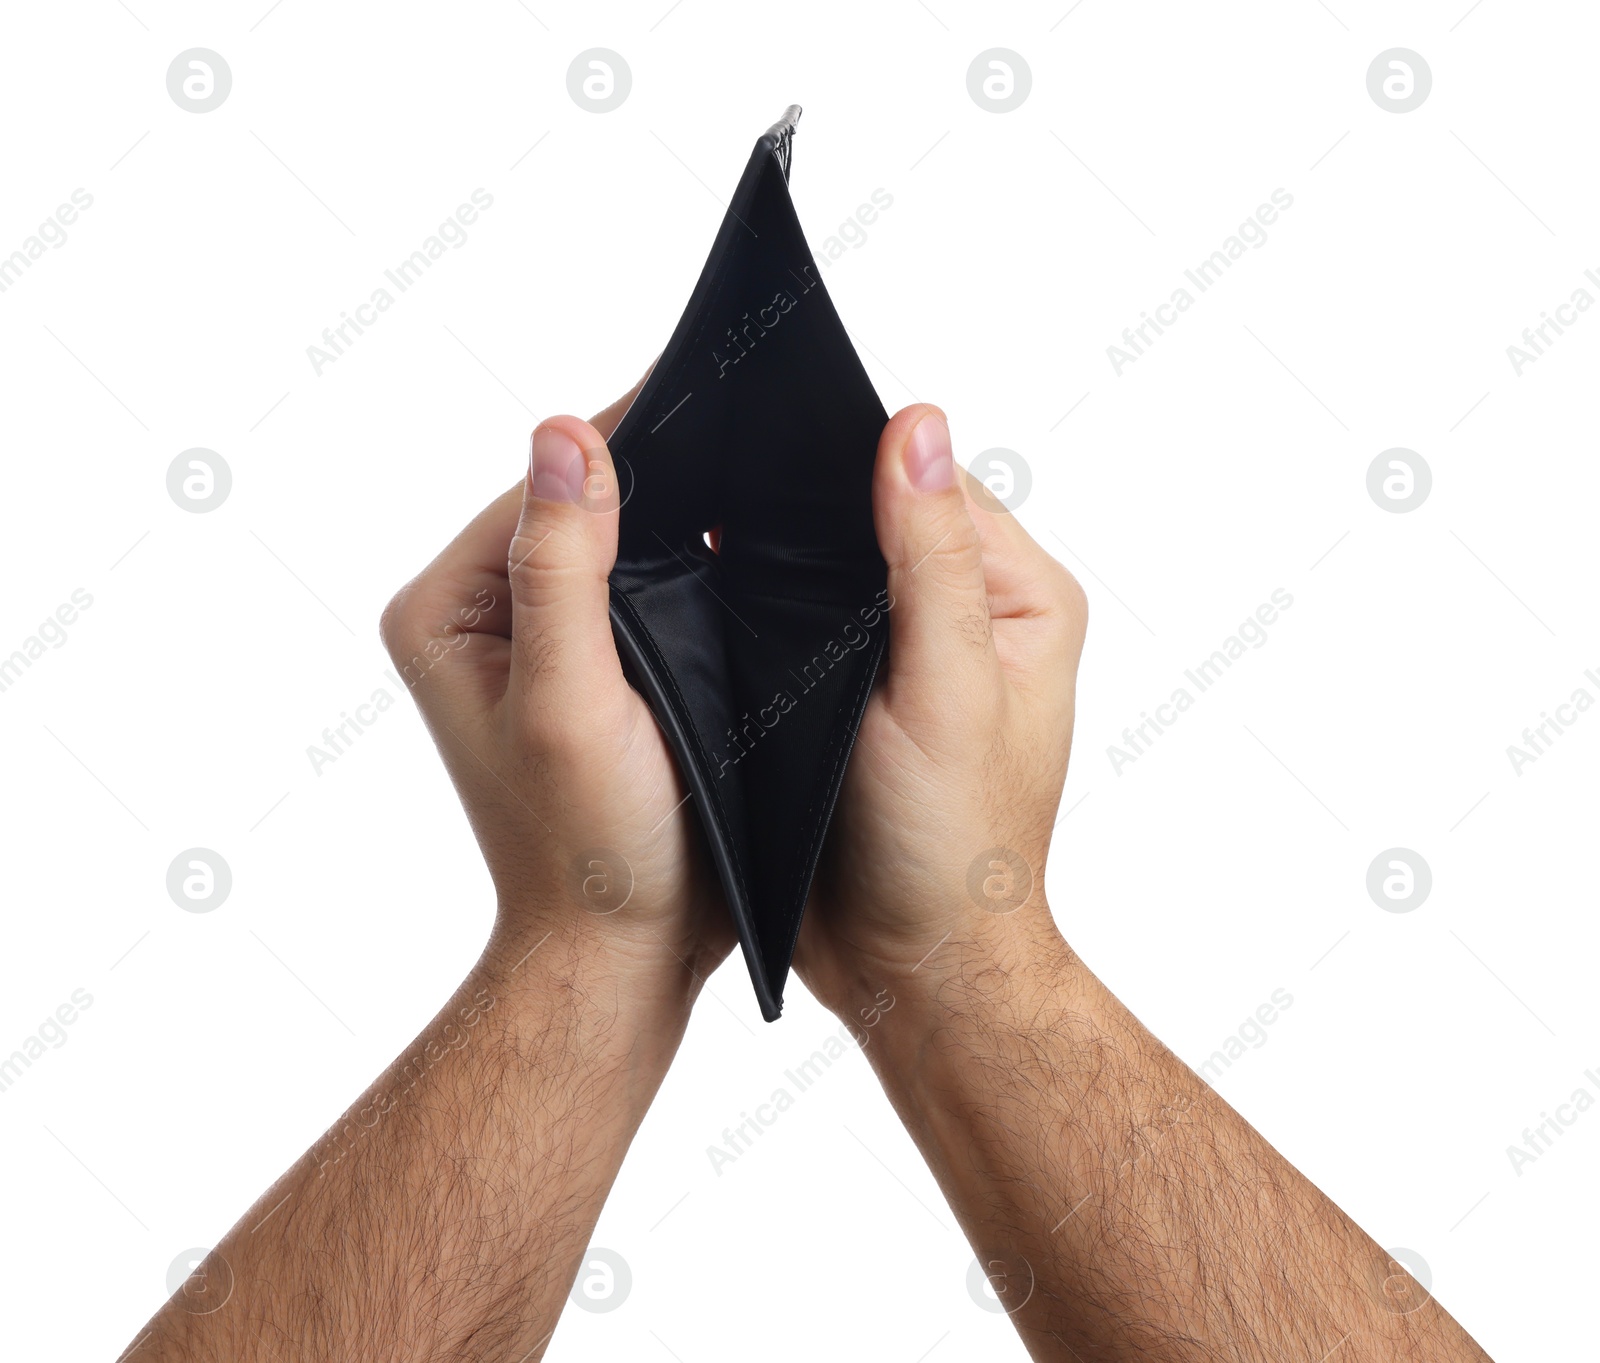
(972, 961)
(989, 978)
(559, 981)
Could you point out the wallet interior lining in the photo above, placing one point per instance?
(758, 418)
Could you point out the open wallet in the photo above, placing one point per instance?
(757, 429)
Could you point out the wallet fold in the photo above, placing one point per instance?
(757, 423)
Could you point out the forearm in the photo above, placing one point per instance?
(444, 1215)
(1122, 1209)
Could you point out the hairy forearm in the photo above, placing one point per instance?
(444, 1215)
(1121, 1208)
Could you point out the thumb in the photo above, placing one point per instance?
(562, 654)
(941, 632)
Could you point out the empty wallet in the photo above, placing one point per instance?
(758, 423)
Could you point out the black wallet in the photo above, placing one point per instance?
(758, 422)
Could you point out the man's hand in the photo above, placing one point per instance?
(950, 797)
(443, 1216)
(1121, 1209)
(568, 781)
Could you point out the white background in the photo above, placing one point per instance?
(1230, 460)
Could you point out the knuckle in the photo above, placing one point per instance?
(523, 563)
(397, 625)
(416, 632)
(952, 566)
(542, 556)
(1074, 601)
(956, 552)
(1068, 614)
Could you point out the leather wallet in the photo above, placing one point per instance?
(757, 423)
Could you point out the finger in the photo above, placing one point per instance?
(487, 549)
(472, 567)
(1024, 580)
(481, 547)
(428, 626)
(941, 632)
(564, 662)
